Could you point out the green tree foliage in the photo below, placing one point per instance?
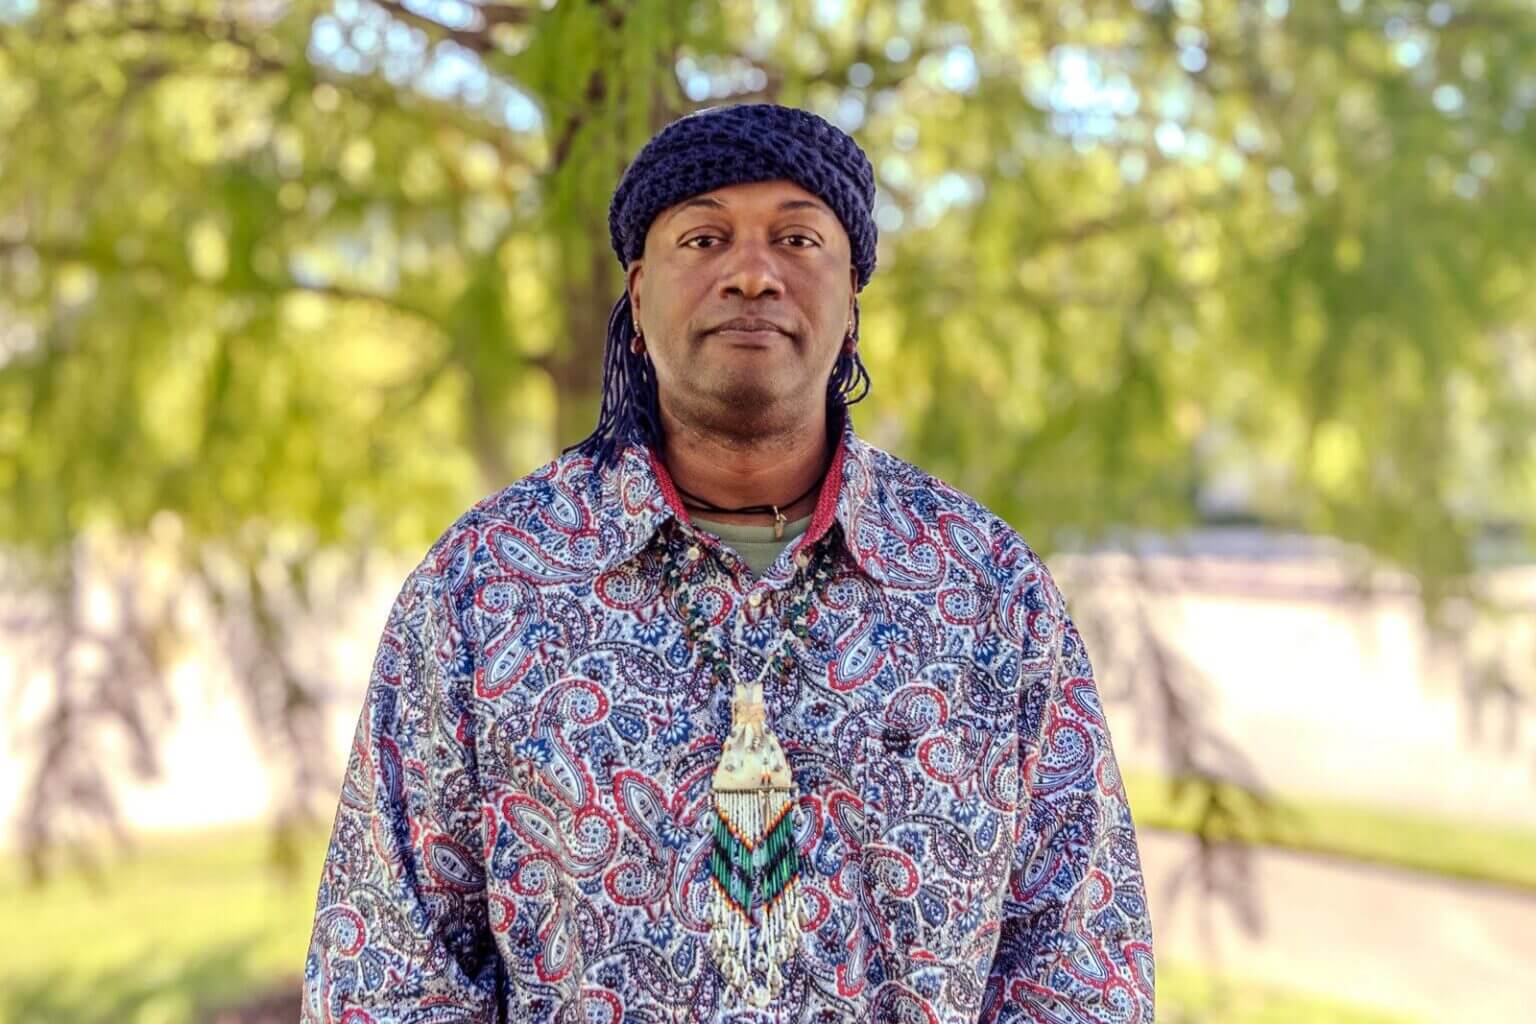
(287, 277)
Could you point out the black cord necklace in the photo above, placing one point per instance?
(698, 504)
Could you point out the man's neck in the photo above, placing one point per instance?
(729, 474)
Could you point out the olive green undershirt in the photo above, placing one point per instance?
(756, 545)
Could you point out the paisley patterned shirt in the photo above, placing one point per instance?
(524, 829)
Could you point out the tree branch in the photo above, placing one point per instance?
(481, 39)
(108, 263)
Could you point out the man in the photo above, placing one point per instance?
(726, 714)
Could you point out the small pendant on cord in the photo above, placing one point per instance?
(778, 523)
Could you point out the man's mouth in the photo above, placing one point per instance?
(749, 327)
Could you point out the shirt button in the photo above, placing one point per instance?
(755, 599)
(694, 553)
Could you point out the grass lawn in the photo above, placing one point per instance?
(1187, 995)
(188, 922)
(1484, 851)
(200, 920)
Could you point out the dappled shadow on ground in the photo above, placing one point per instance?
(218, 987)
(279, 1004)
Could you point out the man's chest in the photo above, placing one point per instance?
(601, 722)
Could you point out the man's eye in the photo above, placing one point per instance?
(803, 238)
(702, 238)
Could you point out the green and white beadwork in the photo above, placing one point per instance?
(756, 907)
(755, 865)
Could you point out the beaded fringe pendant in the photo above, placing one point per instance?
(754, 903)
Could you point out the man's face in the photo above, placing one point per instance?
(766, 251)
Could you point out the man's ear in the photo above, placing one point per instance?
(853, 305)
(632, 275)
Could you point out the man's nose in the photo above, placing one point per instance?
(750, 272)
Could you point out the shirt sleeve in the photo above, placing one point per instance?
(401, 930)
(1075, 942)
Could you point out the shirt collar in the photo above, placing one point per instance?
(637, 497)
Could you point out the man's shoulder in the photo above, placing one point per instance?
(570, 476)
(965, 524)
(917, 507)
(568, 485)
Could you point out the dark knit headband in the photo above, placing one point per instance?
(703, 151)
(730, 145)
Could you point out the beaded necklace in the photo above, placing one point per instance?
(755, 906)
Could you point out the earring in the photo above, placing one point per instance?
(637, 343)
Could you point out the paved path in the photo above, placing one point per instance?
(1442, 949)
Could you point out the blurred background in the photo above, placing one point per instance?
(1227, 305)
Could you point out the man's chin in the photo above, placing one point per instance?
(744, 406)
(744, 389)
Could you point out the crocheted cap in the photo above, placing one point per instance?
(744, 142)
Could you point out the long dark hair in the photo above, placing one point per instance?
(631, 412)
